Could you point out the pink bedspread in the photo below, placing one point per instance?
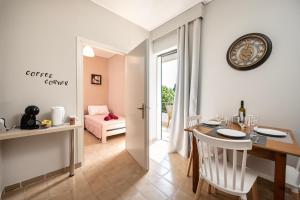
(95, 124)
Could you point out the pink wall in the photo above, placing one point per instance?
(95, 94)
(116, 71)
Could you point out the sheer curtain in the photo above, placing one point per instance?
(187, 97)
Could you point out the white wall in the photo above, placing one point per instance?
(41, 36)
(166, 42)
(272, 90)
(95, 94)
(173, 24)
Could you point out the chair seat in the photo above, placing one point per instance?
(250, 178)
(265, 169)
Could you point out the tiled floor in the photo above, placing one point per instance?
(109, 172)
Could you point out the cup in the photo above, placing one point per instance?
(72, 119)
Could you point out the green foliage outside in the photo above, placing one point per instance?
(167, 97)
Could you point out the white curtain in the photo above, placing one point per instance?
(187, 97)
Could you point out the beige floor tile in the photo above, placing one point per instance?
(174, 178)
(165, 187)
(58, 186)
(67, 195)
(186, 187)
(110, 173)
(110, 193)
(150, 192)
(127, 190)
(37, 191)
(137, 196)
(179, 195)
(14, 195)
(160, 170)
(152, 177)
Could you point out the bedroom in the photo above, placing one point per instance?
(104, 89)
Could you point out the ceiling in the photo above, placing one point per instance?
(148, 14)
(102, 53)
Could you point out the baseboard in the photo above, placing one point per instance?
(30, 181)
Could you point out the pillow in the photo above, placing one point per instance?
(98, 110)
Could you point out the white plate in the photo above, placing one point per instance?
(270, 132)
(211, 123)
(231, 133)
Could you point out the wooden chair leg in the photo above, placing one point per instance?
(254, 191)
(211, 189)
(199, 188)
(190, 163)
(295, 193)
(243, 197)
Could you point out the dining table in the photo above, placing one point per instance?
(272, 149)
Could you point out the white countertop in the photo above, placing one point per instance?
(18, 133)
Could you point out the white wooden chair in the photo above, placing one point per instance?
(227, 176)
(265, 169)
(192, 121)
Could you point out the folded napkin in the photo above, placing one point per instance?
(107, 118)
(110, 116)
(113, 116)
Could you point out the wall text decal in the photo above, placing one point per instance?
(49, 80)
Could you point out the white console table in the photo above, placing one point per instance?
(18, 133)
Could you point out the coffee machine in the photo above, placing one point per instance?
(28, 120)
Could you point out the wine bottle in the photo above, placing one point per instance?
(242, 113)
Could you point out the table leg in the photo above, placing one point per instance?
(72, 155)
(279, 179)
(195, 165)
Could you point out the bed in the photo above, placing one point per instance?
(94, 122)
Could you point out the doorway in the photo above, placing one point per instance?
(104, 102)
(135, 62)
(166, 76)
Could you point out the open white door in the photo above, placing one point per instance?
(136, 104)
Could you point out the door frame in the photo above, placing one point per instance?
(80, 42)
(157, 77)
(147, 100)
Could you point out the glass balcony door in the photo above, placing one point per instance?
(168, 88)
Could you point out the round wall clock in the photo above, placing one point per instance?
(249, 51)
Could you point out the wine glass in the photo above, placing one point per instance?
(227, 122)
(220, 119)
(255, 121)
(254, 124)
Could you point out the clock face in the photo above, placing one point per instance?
(249, 51)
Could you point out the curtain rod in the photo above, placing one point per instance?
(167, 53)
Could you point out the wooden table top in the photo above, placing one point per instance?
(18, 133)
(271, 145)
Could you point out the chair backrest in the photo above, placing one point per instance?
(193, 120)
(298, 165)
(218, 169)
